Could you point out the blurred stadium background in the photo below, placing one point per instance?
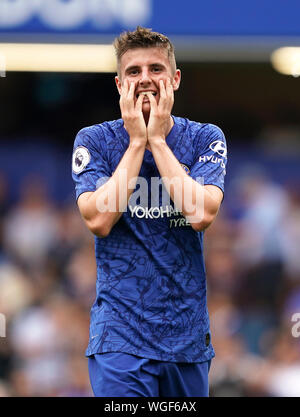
(231, 78)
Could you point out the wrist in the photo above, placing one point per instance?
(137, 143)
(157, 141)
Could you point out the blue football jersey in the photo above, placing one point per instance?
(151, 282)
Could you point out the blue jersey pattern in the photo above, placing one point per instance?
(151, 283)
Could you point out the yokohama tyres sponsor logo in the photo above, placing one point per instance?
(159, 212)
(152, 212)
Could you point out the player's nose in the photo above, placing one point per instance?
(145, 78)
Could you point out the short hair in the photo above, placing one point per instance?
(143, 38)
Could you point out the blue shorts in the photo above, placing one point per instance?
(122, 375)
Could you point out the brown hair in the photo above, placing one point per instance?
(143, 38)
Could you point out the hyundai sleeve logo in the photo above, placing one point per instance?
(219, 147)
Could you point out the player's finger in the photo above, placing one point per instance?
(131, 91)
(169, 87)
(152, 100)
(162, 89)
(139, 103)
(170, 91)
(124, 91)
(162, 95)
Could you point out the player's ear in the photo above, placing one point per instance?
(176, 79)
(118, 84)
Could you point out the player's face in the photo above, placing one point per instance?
(146, 67)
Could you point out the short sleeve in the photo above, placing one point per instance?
(210, 156)
(89, 160)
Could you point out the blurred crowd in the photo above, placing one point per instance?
(47, 286)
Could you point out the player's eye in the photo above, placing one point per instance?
(133, 72)
(156, 69)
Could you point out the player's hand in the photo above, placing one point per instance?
(160, 113)
(132, 114)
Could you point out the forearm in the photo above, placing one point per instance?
(192, 198)
(104, 207)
